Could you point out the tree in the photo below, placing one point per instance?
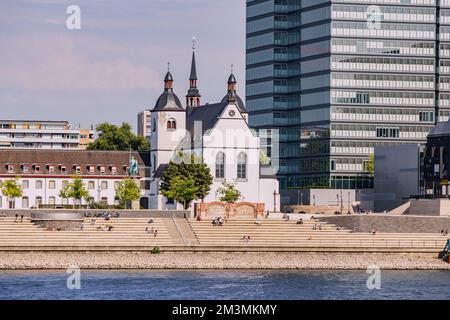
(194, 170)
(182, 190)
(371, 164)
(118, 138)
(229, 193)
(11, 188)
(127, 190)
(75, 190)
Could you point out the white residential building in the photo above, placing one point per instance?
(43, 173)
(32, 134)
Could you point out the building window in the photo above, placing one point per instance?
(52, 184)
(25, 168)
(242, 166)
(10, 168)
(77, 169)
(104, 185)
(114, 170)
(63, 169)
(91, 169)
(37, 169)
(102, 169)
(51, 169)
(38, 184)
(171, 125)
(333, 165)
(51, 201)
(38, 202)
(104, 201)
(91, 185)
(220, 165)
(25, 203)
(25, 184)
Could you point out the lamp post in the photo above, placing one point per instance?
(275, 201)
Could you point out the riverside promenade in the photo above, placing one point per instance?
(240, 243)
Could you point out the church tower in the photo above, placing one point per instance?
(168, 125)
(193, 96)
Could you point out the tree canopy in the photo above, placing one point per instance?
(118, 138)
(182, 190)
(11, 188)
(195, 174)
(127, 190)
(74, 190)
(229, 193)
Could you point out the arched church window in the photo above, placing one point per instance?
(171, 124)
(220, 165)
(242, 166)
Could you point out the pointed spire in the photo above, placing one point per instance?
(193, 95)
(168, 79)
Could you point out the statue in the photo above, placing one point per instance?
(133, 169)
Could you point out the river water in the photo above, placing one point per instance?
(224, 285)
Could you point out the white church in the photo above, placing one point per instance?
(217, 133)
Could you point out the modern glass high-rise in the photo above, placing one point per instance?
(338, 78)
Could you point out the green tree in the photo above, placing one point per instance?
(118, 138)
(228, 192)
(371, 164)
(194, 170)
(127, 190)
(74, 190)
(11, 188)
(182, 190)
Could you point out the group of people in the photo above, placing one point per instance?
(374, 231)
(17, 219)
(246, 238)
(108, 227)
(317, 227)
(444, 232)
(152, 231)
(218, 221)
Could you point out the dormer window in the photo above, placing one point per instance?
(25, 168)
(63, 169)
(10, 168)
(171, 125)
(102, 169)
(114, 170)
(37, 169)
(77, 169)
(91, 169)
(51, 169)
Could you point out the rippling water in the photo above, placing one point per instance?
(244, 285)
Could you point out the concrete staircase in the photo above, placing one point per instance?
(278, 233)
(126, 233)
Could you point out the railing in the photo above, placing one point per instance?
(186, 242)
(347, 243)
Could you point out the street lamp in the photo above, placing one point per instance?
(275, 201)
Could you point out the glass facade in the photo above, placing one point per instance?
(339, 78)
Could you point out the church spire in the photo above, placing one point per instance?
(193, 95)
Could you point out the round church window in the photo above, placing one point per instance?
(231, 113)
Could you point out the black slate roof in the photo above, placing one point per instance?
(239, 103)
(168, 101)
(441, 129)
(208, 114)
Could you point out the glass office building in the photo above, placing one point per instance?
(339, 78)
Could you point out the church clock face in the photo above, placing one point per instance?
(231, 113)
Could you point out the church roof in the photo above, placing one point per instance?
(239, 103)
(208, 114)
(441, 129)
(168, 101)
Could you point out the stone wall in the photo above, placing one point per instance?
(229, 210)
(123, 213)
(390, 224)
(430, 207)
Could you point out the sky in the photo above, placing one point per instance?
(113, 67)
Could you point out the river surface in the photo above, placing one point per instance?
(223, 285)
